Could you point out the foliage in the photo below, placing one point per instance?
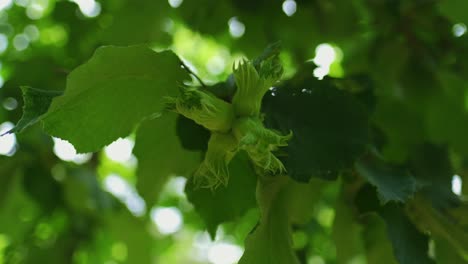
(341, 143)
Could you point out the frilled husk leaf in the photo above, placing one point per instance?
(260, 143)
(204, 108)
(213, 171)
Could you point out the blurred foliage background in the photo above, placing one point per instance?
(57, 206)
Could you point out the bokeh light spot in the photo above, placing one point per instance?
(3, 42)
(64, 150)
(10, 103)
(456, 185)
(7, 141)
(236, 28)
(5, 4)
(289, 7)
(459, 29)
(224, 253)
(120, 150)
(89, 8)
(125, 193)
(168, 220)
(175, 3)
(21, 42)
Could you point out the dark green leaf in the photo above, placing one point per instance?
(409, 245)
(330, 127)
(393, 183)
(36, 103)
(192, 136)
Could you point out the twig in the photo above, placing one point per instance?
(192, 73)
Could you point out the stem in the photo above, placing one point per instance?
(192, 73)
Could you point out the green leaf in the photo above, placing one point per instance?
(110, 94)
(446, 254)
(271, 241)
(83, 194)
(432, 166)
(160, 154)
(330, 127)
(133, 235)
(347, 232)
(455, 10)
(409, 244)
(36, 103)
(393, 183)
(378, 248)
(445, 223)
(451, 102)
(225, 203)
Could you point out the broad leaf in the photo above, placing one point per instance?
(160, 154)
(110, 94)
(225, 203)
(330, 127)
(36, 103)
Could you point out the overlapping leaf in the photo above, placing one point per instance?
(160, 155)
(110, 94)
